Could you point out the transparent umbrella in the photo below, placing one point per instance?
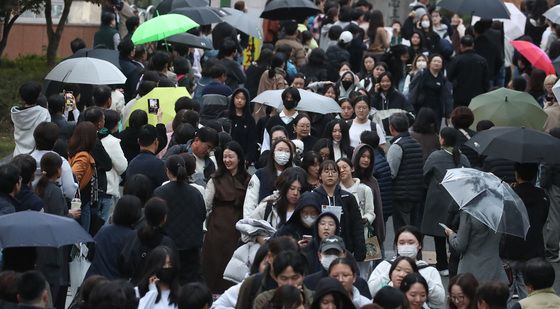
(488, 199)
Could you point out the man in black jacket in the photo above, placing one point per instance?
(129, 68)
(468, 72)
(146, 161)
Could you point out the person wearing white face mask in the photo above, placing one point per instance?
(419, 63)
(300, 224)
(408, 242)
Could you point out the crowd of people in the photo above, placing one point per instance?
(240, 205)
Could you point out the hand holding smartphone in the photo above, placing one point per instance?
(153, 106)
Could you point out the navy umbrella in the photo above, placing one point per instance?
(487, 9)
(289, 9)
(190, 40)
(39, 229)
(202, 15)
(166, 6)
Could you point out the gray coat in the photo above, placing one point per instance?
(437, 198)
(479, 249)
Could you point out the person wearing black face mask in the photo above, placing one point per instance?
(159, 286)
(290, 100)
(346, 84)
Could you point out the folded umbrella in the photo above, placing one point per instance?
(109, 55)
(289, 9)
(38, 229)
(508, 108)
(310, 101)
(86, 70)
(535, 55)
(487, 199)
(486, 9)
(166, 6)
(202, 15)
(553, 14)
(244, 22)
(166, 97)
(161, 27)
(190, 40)
(522, 145)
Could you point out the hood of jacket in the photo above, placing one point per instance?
(330, 285)
(247, 108)
(306, 199)
(29, 118)
(355, 159)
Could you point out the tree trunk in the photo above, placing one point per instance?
(54, 35)
(7, 26)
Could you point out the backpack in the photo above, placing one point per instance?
(133, 257)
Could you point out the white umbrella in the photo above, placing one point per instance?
(514, 27)
(310, 101)
(245, 22)
(556, 90)
(553, 14)
(86, 70)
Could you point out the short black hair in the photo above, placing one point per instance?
(207, 135)
(101, 94)
(194, 295)
(140, 186)
(181, 65)
(107, 18)
(127, 210)
(293, 92)
(494, 293)
(467, 40)
(27, 166)
(390, 297)
(228, 47)
(111, 119)
(399, 122)
(286, 259)
(125, 47)
(155, 211)
(31, 286)
(93, 114)
(217, 71)
(526, 171)
(519, 84)
(183, 133)
(281, 244)
(370, 138)
(115, 294)
(131, 23)
(45, 135)
(9, 177)
(159, 60)
(138, 118)
(77, 44)
(538, 273)
(290, 27)
(186, 103)
(30, 91)
(56, 104)
(147, 135)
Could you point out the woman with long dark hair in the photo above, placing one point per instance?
(386, 96)
(159, 286)
(243, 127)
(424, 131)
(437, 200)
(338, 131)
(186, 214)
(224, 197)
(462, 292)
(378, 41)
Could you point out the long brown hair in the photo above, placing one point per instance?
(83, 139)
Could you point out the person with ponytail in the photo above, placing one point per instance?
(224, 198)
(437, 199)
(186, 214)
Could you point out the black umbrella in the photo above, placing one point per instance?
(522, 145)
(39, 229)
(202, 15)
(289, 9)
(190, 40)
(486, 9)
(110, 55)
(166, 6)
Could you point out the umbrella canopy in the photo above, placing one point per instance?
(87, 70)
(109, 55)
(553, 14)
(556, 88)
(202, 15)
(310, 101)
(292, 9)
(517, 144)
(536, 56)
(486, 9)
(166, 6)
(487, 199)
(38, 229)
(190, 40)
(244, 22)
(508, 108)
(166, 97)
(161, 27)
(514, 27)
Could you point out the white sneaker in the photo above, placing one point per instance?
(444, 273)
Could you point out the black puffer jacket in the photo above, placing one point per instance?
(294, 227)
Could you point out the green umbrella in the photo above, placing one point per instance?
(161, 27)
(508, 108)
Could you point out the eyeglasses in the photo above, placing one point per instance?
(330, 172)
(457, 299)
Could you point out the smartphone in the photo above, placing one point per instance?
(76, 203)
(307, 237)
(153, 106)
(69, 98)
(443, 226)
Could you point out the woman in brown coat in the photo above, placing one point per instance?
(224, 197)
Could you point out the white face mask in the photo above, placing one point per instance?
(421, 65)
(308, 220)
(326, 260)
(425, 24)
(281, 157)
(408, 250)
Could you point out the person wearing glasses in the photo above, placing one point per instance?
(362, 123)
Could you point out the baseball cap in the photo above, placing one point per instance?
(345, 37)
(332, 242)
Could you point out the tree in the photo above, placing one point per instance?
(54, 35)
(10, 11)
